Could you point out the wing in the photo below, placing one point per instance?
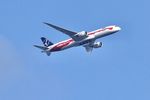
(65, 31)
(88, 47)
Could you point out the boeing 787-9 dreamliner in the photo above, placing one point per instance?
(85, 39)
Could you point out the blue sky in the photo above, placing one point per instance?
(120, 70)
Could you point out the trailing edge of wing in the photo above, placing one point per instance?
(68, 32)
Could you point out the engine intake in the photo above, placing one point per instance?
(97, 44)
(81, 34)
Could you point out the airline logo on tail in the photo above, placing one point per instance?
(46, 42)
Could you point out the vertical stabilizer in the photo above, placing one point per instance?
(46, 42)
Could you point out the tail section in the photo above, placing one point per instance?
(45, 48)
(41, 47)
(46, 42)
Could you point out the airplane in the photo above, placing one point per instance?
(83, 38)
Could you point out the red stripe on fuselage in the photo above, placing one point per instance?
(61, 45)
(101, 30)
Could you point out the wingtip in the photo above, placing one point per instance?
(45, 23)
(48, 24)
(34, 45)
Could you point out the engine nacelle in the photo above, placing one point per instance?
(81, 34)
(97, 44)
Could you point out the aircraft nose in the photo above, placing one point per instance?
(118, 28)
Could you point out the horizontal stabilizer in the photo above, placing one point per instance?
(40, 47)
(44, 49)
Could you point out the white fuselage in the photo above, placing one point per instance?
(92, 36)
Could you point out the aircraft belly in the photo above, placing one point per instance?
(86, 41)
(69, 46)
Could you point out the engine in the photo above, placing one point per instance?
(81, 34)
(97, 44)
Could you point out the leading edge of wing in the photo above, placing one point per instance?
(68, 32)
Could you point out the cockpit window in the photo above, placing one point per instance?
(110, 26)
